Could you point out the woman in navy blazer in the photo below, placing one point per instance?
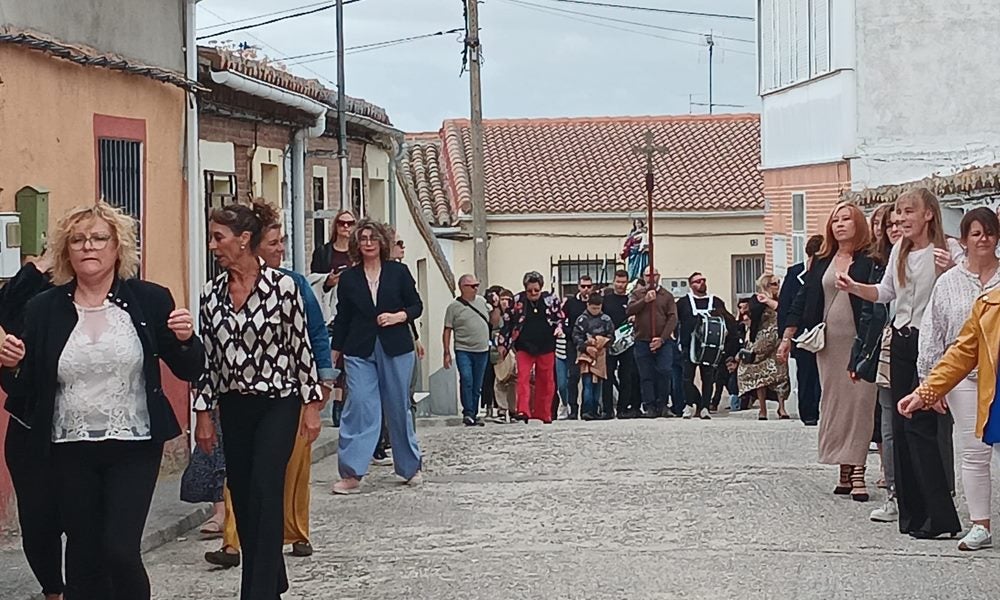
(376, 299)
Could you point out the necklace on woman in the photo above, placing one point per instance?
(534, 305)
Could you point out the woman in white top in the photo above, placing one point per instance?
(950, 306)
(923, 489)
(85, 378)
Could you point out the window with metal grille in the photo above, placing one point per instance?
(120, 177)
(746, 270)
(220, 190)
(569, 270)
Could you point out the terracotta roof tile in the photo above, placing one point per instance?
(970, 181)
(274, 73)
(588, 164)
(422, 162)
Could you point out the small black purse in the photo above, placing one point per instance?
(748, 357)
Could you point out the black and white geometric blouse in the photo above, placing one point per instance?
(262, 349)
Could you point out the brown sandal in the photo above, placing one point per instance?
(859, 492)
(844, 483)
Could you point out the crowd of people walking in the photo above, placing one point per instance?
(893, 328)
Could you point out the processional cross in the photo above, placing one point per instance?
(649, 150)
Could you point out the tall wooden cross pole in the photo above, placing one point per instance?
(649, 149)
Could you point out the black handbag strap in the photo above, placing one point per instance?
(475, 310)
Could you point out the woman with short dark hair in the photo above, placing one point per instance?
(260, 372)
(530, 327)
(376, 299)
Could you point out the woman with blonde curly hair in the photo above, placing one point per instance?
(759, 371)
(85, 377)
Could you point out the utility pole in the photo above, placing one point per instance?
(473, 50)
(345, 173)
(710, 40)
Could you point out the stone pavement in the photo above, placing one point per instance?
(731, 508)
(168, 519)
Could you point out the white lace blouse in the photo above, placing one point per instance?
(950, 306)
(102, 389)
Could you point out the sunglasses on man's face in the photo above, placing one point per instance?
(586, 286)
(474, 286)
(697, 281)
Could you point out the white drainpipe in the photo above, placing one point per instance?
(273, 93)
(196, 212)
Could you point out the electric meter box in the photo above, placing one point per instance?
(10, 245)
(33, 206)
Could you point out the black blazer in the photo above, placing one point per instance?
(354, 329)
(789, 289)
(808, 307)
(14, 296)
(48, 322)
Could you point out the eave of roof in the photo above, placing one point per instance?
(972, 181)
(91, 57)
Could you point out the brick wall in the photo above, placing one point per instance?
(322, 152)
(822, 185)
(245, 136)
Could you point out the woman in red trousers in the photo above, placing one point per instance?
(530, 328)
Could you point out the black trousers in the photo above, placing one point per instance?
(105, 489)
(488, 396)
(809, 392)
(37, 509)
(621, 370)
(923, 491)
(692, 396)
(258, 435)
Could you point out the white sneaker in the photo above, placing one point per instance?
(978, 538)
(688, 411)
(887, 514)
(415, 481)
(872, 447)
(563, 412)
(382, 462)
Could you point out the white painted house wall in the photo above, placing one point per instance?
(911, 88)
(928, 77)
(808, 116)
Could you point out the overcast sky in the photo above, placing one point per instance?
(538, 62)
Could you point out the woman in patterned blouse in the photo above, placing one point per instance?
(260, 369)
(530, 328)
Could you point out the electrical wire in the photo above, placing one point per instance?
(275, 50)
(639, 23)
(274, 20)
(659, 10)
(264, 16)
(601, 23)
(328, 54)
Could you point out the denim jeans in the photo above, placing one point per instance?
(655, 371)
(591, 394)
(562, 380)
(471, 370)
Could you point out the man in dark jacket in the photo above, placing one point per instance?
(806, 371)
(621, 368)
(690, 310)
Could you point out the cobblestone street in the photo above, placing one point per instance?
(731, 508)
